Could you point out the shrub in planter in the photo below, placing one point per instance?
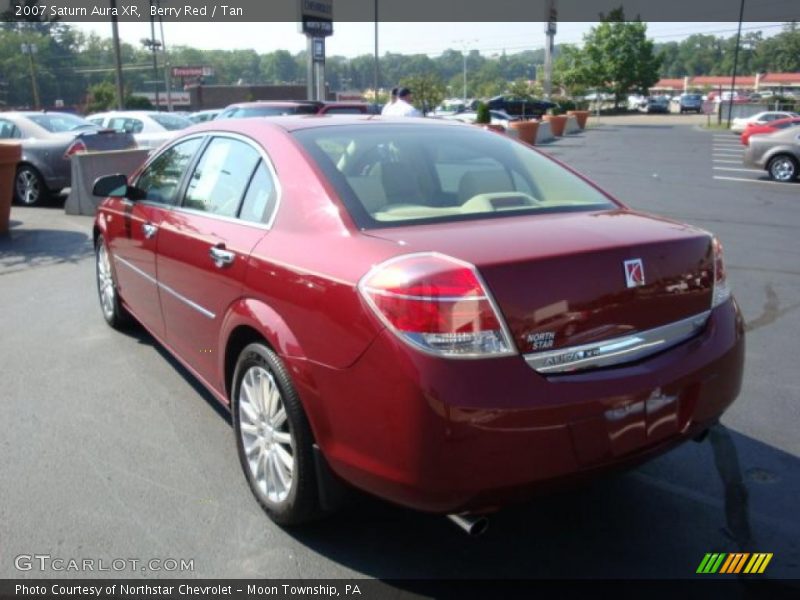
(483, 116)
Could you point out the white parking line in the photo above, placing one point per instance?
(737, 146)
(736, 169)
(751, 180)
(735, 162)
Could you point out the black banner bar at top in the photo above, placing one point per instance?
(225, 11)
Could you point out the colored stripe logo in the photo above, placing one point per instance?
(734, 563)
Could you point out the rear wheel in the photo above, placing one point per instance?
(782, 168)
(273, 438)
(29, 186)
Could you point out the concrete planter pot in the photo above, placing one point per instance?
(10, 154)
(557, 123)
(526, 130)
(581, 115)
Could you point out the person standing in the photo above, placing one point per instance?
(392, 99)
(403, 107)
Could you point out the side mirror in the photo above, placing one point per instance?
(116, 186)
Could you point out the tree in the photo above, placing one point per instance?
(428, 90)
(102, 97)
(617, 56)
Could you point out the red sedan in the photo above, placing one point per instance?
(424, 310)
(771, 127)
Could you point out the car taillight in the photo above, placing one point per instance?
(75, 147)
(722, 290)
(438, 304)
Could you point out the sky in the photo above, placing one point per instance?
(354, 39)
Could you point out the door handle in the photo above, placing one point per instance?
(221, 256)
(149, 230)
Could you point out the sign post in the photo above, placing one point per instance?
(550, 29)
(316, 22)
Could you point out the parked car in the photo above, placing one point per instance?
(435, 314)
(149, 128)
(498, 117)
(690, 103)
(739, 124)
(778, 153)
(201, 116)
(48, 141)
(635, 101)
(516, 107)
(771, 127)
(655, 104)
(270, 108)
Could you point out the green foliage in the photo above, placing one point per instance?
(483, 115)
(617, 56)
(138, 103)
(565, 103)
(102, 97)
(428, 90)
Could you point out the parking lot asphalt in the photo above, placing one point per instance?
(111, 450)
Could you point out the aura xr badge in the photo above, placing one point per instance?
(634, 272)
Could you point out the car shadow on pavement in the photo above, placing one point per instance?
(729, 493)
(25, 248)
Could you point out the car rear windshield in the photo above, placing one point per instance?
(60, 122)
(398, 174)
(171, 122)
(270, 111)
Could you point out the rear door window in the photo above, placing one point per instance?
(259, 201)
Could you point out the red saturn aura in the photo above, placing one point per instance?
(423, 310)
(771, 127)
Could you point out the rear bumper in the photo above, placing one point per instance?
(447, 436)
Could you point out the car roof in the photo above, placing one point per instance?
(291, 123)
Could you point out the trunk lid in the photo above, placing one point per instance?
(560, 279)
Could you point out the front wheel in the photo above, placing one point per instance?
(782, 168)
(273, 438)
(113, 311)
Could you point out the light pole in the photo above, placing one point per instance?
(30, 50)
(376, 74)
(735, 63)
(464, 45)
(152, 44)
(117, 56)
(167, 81)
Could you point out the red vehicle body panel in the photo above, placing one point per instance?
(432, 433)
(753, 129)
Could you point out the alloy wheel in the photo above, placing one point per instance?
(267, 439)
(105, 282)
(29, 189)
(782, 169)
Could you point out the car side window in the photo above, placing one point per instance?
(126, 124)
(259, 201)
(221, 176)
(8, 130)
(162, 177)
(344, 110)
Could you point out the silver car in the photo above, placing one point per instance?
(48, 141)
(778, 153)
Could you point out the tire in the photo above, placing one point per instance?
(29, 186)
(273, 438)
(782, 167)
(111, 307)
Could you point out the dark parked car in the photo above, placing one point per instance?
(518, 108)
(48, 140)
(691, 103)
(655, 104)
(276, 108)
(778, 153)
(427, 311)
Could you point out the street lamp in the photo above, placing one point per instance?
(735, 64)
(464, 44)
(30, 50)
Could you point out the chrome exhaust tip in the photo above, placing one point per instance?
(471, 524)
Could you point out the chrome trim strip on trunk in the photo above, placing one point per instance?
(184, 299)
(616, 351)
